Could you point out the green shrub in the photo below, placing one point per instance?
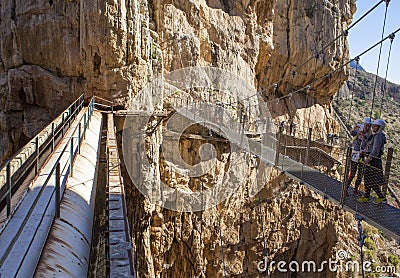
(370, 244)
(393, 260)
(368, 255)
(369, 231)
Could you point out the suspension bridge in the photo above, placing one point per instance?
(48, 189)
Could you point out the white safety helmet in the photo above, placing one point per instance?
(367, 120)
(379, 122)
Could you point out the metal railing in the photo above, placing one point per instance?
(110, 106)
(17, 167)
(56, 172)
(70, 143)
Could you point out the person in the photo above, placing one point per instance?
(335, 138)
(291, 127)
(373, 172)
(282, 127)
(361, 132)
(328, 138)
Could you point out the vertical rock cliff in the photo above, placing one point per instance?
(52, 51)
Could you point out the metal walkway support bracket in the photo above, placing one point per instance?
(361, 240)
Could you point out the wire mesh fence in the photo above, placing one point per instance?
(379, 175)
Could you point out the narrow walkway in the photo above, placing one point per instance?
(70, 237)
(120, 257)
(26, 232)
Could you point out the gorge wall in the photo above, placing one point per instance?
(53, 51)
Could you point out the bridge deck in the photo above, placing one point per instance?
(383, 216)
(120, 258)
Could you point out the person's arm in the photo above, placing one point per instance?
(367, 135)
(377, 145)
(355, 130)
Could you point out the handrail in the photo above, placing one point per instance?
(45, 144)
(67, 110)
(56, 167)
(106, 100)
(76, 106)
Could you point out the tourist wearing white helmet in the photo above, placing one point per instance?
(361, 133)
(373, 174)
(367, 121)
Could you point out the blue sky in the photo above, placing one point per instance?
(369, 31)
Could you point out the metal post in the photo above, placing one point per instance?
(345, 178)
(308, 145)
(37, 155)
(278, 145)
(71, 156)
(9, 189)
(84, 126)
(88, 119)
(285, 150)
(79, 138)
(57, 197)
(302, 166)
(69, 117)
(52, 137)
(62, 125)
(387, 170)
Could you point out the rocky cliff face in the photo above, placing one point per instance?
(52, 51)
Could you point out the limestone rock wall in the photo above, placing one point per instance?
(285, 221)
(113, 48)
(53, 51)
